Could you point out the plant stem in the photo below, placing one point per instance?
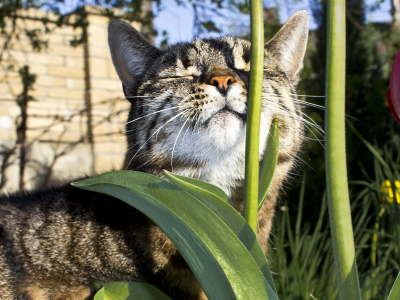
(335, 155)
(254, 113)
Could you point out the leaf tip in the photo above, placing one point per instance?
(275, 123)
(79, 183)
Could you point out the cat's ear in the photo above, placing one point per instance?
(130, 52)
(289, 44)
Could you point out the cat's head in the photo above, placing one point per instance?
(189, 102)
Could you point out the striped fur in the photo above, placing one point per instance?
(53, 243)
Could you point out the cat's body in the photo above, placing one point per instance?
(188, 114)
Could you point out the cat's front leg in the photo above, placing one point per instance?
(34, 289)
(170, 272)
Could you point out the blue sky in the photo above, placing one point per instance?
(178, 21)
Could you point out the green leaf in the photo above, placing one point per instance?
(371, 148)
(100, 295)
(253, 120)
(269, 163)
(395, 292)
(229, 216)
(335, 154)
(220, 262)
(113, 290)
(200, 186)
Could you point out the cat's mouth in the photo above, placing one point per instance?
(227, 109)
(225, 128)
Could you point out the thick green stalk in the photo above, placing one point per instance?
(335, 155)
(254, 113)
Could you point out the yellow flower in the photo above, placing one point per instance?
(387, 189)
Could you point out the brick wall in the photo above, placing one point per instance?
(74, 126)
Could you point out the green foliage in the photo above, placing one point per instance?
(370, 50)
(198, 188)
(128, 291)
(335, 154)
(207, 230)
(302, 256)
(232, 251)
(395, 292)
(253, 119)
(380, 265)
(189, 227)
(221, 205)
(270, 160)
(271, 23)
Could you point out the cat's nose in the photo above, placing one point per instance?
(222, 82)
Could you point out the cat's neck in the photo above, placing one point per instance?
(224, 171)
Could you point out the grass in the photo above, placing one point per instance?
(301, 255)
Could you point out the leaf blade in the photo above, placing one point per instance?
(199, 235)
(187, 182)
(269, 163)
(99, 295)
(395, 291)
(231, 218)
(114, 290)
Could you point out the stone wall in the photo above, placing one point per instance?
(74, 124)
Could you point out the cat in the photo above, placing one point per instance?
(188, 115)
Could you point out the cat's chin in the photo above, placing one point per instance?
(226, 129)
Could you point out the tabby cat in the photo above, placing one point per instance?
(188, 115)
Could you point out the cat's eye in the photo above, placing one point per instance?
(178, 77)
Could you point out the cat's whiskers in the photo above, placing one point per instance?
(196, 122)
(132, 97)
(308, 96)
(311, 139)
(295, 97)
(302, 102)
(311, 122)
(183, 87)
(173, 148)
(155, 112)
(156, 132)
(295, 161)
(306, 123)
(194, 119)
(189, 128)
(124, 132)
(285, 109)
(295, 174)
(316, 138)
(208, 149)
